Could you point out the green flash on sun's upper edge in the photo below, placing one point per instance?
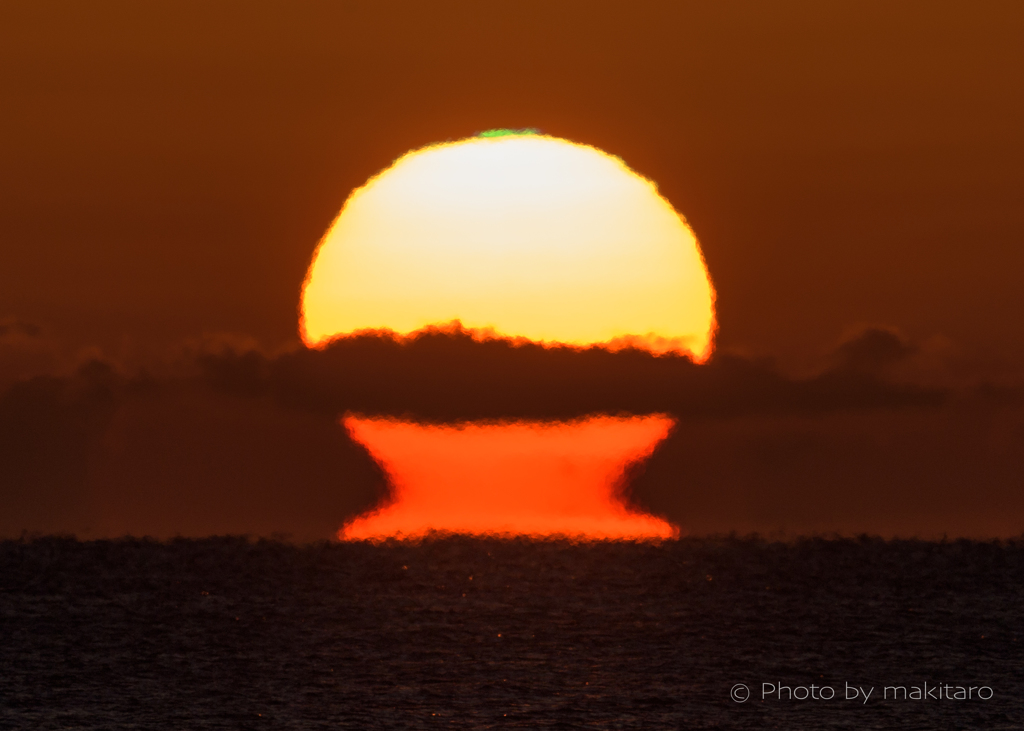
(508, 132)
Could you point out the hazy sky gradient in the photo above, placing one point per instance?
(167, 168)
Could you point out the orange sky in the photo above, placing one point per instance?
(854, 172)
(169, 168)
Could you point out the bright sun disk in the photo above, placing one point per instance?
(516, 234)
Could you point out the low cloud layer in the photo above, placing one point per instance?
(443, 376)
(243, 442)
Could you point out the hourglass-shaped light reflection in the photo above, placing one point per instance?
(520, 235)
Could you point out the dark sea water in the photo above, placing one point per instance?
(475, 633)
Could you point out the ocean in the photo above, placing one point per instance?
(480, 633)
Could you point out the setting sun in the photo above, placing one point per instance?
(521, 477)
(515, 235)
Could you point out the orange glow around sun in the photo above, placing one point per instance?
(517, 235)
(524, 478)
